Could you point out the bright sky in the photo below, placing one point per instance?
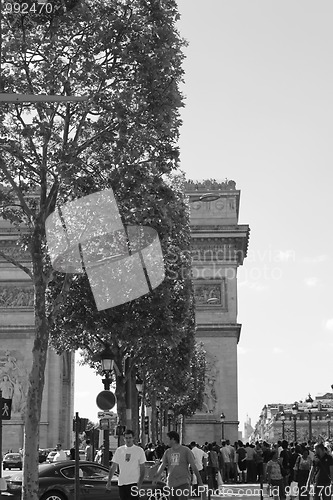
(259, 110)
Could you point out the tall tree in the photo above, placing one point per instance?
(155, 331)
(126, 56)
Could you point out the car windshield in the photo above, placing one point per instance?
(12, 455)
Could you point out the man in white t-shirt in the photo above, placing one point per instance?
(200, 458)
(130, 460)
(60, 455)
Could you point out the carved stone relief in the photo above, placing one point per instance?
(16, 297)
(14, 380)
(210, 396)
(14, 251)
(210, 294)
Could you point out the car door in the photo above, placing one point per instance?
(93, 483)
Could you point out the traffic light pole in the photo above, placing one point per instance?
(1, 433)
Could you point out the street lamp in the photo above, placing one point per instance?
(222, 419)
(106, 358)
(283, 419)
(294, 411)
(309, 402)
(328, 418)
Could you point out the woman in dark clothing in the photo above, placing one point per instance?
(301, 473)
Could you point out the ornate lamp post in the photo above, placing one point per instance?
(328, 418)
(294, 411)
(106, 359)
(158, 413)
(222, 419)
(139, 388)
(283, 419)
(309, 402)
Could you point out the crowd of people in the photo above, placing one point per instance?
(289, 469)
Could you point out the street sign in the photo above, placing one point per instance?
(6, 408)
(106, 414)
(106, 400)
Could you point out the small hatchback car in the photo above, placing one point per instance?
(12, 461)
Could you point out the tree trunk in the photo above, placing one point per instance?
(37, 374)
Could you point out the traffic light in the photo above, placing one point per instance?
(120, 429)
(81, 423)
(146, 425)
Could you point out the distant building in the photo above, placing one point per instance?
(248, 429)
(299, 421)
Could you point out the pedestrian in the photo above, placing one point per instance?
(323, 475)
(250, 463)
(178, 459)
(241, 461)
(226, 459)
(301, 473)
(150, 453)
(200, 459)
(274, 476)
(88, 452)
(130, 461)
(72, 452)
(285, 457)
(60, 455)
(99, 455)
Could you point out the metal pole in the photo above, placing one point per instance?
(0, 426)
(222, 430)
(106, 444)
(295, 430)
(310, 425)
(77, 458)
(282, 429)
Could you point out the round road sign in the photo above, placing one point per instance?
(105, 400)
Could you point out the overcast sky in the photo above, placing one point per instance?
(258, 110)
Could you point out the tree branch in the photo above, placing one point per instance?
(16, 189)
(16, 263)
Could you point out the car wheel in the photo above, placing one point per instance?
(53, 495)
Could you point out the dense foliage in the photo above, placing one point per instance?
(126, 57)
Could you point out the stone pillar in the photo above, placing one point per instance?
(219, 246)
(16, 343)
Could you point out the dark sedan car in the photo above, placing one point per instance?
(12, 461)
(56, 482)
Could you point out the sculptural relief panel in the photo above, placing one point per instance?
(14, 380)
(16, 296)
(211, 376)
(209, 294)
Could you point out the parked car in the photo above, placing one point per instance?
(51, 456)
(56, 482)
(12, 461)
